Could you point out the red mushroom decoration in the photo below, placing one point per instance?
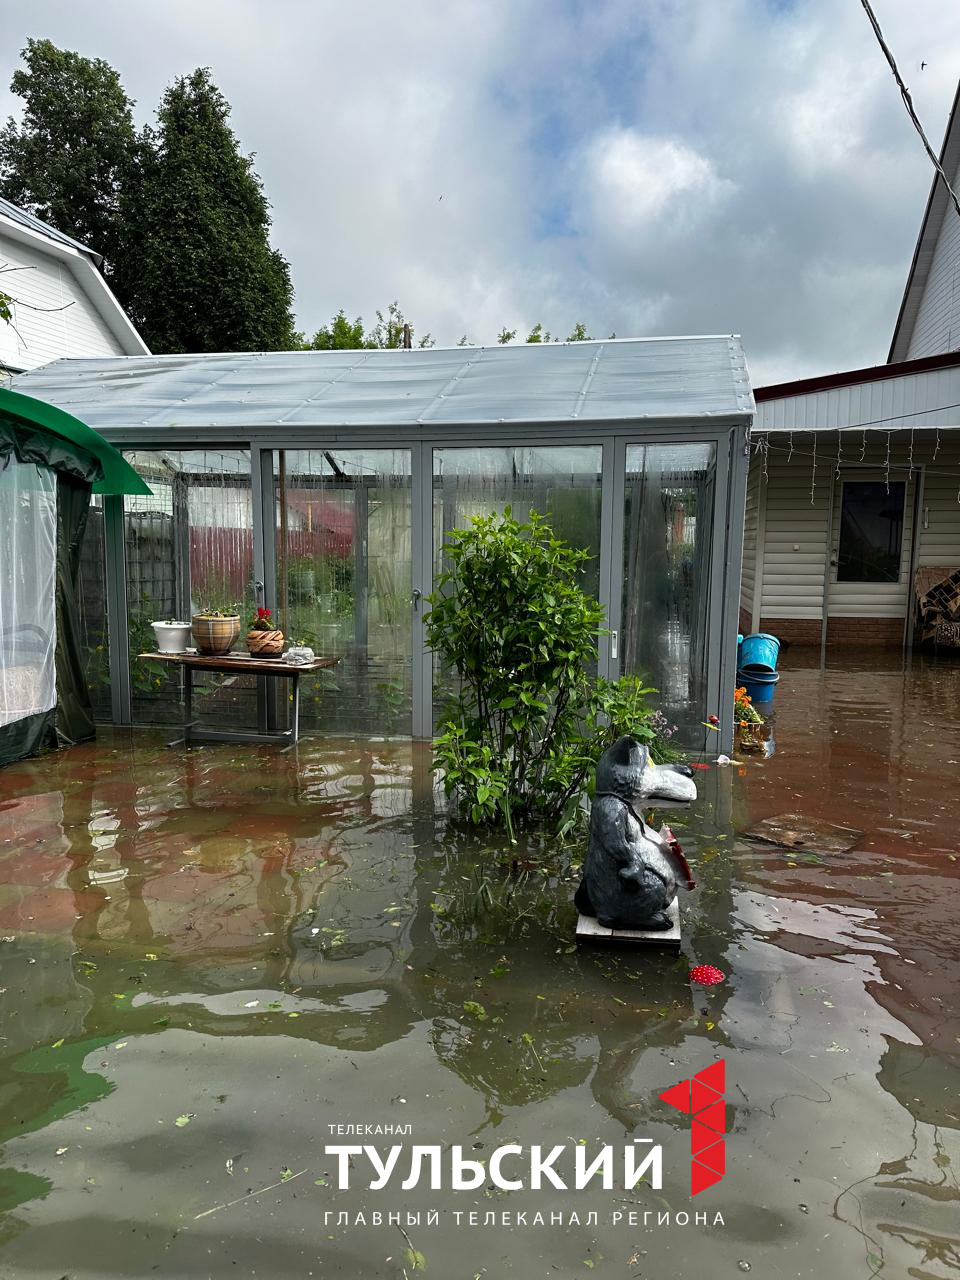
(706, 975)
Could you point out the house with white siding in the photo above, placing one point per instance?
(853, 498)
(62, 305)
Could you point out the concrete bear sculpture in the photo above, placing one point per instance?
(631, 872)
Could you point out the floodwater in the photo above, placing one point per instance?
(210, 958)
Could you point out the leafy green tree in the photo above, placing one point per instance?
(75, 151)
(342, 334)
(207, 278)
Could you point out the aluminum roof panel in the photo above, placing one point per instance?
(643, 378)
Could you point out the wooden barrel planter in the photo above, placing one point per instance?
(215, 635)
(265, 644)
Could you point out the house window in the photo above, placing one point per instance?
(871, 531)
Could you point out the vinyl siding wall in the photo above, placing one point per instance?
(69, 324)
(937, 327)
(748, 575)
(799, 492)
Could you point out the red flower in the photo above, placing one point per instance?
(263, 613)
(706, 975)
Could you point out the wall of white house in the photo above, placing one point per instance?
(937, 327)
(751, 525)
(797, 486)
(68, 325)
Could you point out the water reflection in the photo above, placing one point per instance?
(268, 944)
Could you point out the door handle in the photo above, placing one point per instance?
(417, 597)
(614, 637)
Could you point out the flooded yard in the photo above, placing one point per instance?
(210, 958)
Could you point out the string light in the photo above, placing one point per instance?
(936, 446)
(790, 442)
(839, 452)
(910, 457)
(863, 447)
(886, 463)
(813, 473)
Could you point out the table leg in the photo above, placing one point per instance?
(296, 708)
(187, 702)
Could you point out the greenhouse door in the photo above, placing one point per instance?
(343, 582)
(669, 578)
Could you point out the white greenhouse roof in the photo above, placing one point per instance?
(614, 380)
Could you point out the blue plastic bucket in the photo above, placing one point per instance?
(759, 685)
(759, 652)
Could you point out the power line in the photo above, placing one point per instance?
(908, 102)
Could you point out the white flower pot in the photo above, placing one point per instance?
(172, 637)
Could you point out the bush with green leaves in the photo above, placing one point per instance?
(529, 720)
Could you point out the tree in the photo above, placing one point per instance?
(75, 151)
(339, 335)
(343, 335)
(207, 278)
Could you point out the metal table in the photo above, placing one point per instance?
(237, 663)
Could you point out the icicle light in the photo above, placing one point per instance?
(813, 471)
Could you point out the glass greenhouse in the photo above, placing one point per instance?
(322, 484)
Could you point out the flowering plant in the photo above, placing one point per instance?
(264, 621)
(744, 712)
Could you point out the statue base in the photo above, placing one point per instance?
(589, 929)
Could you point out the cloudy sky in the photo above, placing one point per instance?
(643, 166)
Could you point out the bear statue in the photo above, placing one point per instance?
(631, 871)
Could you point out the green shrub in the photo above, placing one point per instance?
(529, 720)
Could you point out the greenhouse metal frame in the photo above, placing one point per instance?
(618, 409)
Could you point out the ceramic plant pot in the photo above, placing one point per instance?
(215, 635)
(172, 637)
(265, 644)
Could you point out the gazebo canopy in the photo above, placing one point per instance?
(44, 433)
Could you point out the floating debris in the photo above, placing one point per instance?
(793, 831)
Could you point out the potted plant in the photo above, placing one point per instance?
(172, 637)
(215, 632)
(748, 722)
(264, 640)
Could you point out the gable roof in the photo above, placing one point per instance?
(32, 223)
(84, 264)
(938, 205)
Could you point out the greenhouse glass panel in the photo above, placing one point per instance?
(559, 482)
(188, 547)
(668, 521)
(94, 635)
(344, 582)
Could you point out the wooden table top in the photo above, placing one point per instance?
(239, 662)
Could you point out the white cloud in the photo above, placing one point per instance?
(637, 184)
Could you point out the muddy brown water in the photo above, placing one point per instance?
(208, 959)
